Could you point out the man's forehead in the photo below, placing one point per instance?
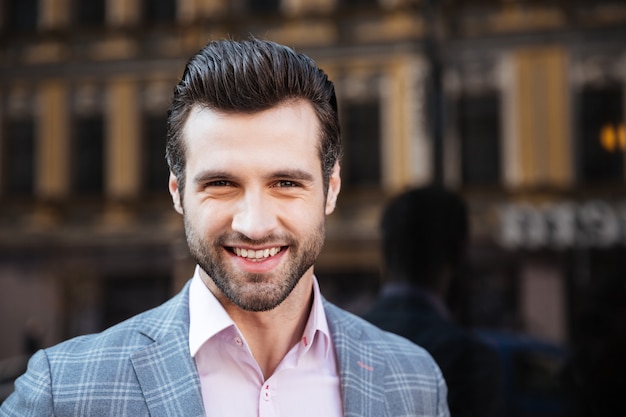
(290, 130)
(203, 120)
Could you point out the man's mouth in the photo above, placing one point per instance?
(257, 255)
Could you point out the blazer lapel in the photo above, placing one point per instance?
(165, 369)
(168, 378)
(361, 368)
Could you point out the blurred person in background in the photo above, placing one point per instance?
(424, 237)
(595, 375)
(253, 149)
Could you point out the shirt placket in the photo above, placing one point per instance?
(268, 406)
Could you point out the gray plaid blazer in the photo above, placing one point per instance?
(142, 367)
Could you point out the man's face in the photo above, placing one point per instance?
(254, 201)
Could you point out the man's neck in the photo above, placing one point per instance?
(271, 334)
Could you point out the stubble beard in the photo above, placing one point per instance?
(254, 292)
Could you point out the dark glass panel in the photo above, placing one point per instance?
(90, 13)
(88, 155)
(264, 6)
(21, 15)
(362, 160)
(479, 128)
(159, 11)
(19, 157)
(601, 144)
(155, 169)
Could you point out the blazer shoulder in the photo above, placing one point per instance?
(384, 372)
(91, 372)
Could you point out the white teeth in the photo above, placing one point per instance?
(256, 254)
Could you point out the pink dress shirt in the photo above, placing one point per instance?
(305, 384)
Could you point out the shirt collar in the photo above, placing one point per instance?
(317, 323)
(203, 304)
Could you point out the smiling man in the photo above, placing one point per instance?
(253, 149)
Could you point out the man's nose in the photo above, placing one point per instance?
(255, 215)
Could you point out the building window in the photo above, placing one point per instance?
(21, 15)
(479, 130)
(264, 6)
(602, 140)
(159, 11)
(362, 160)
(126, 296)
(88, 155)
(155, 170)
(19, 157)
(358, 3)
(90, 13)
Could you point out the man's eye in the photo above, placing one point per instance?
(287, 184)
(218, 183)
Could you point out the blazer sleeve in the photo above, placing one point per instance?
(442, 398)
(33, 394)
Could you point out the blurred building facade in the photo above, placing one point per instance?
(518, 105)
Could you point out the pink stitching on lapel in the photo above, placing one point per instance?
(364, 366)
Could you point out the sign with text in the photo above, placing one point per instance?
(562, 225)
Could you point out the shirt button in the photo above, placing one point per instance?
(238, 341)
(266, 393)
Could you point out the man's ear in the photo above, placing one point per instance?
(334, 185)
(175, 192)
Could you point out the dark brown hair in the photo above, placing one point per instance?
(251, 76)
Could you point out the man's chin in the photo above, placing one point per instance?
(256, 303)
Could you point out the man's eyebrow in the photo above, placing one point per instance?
(210, 175)
(293, 174)
(290, 174)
